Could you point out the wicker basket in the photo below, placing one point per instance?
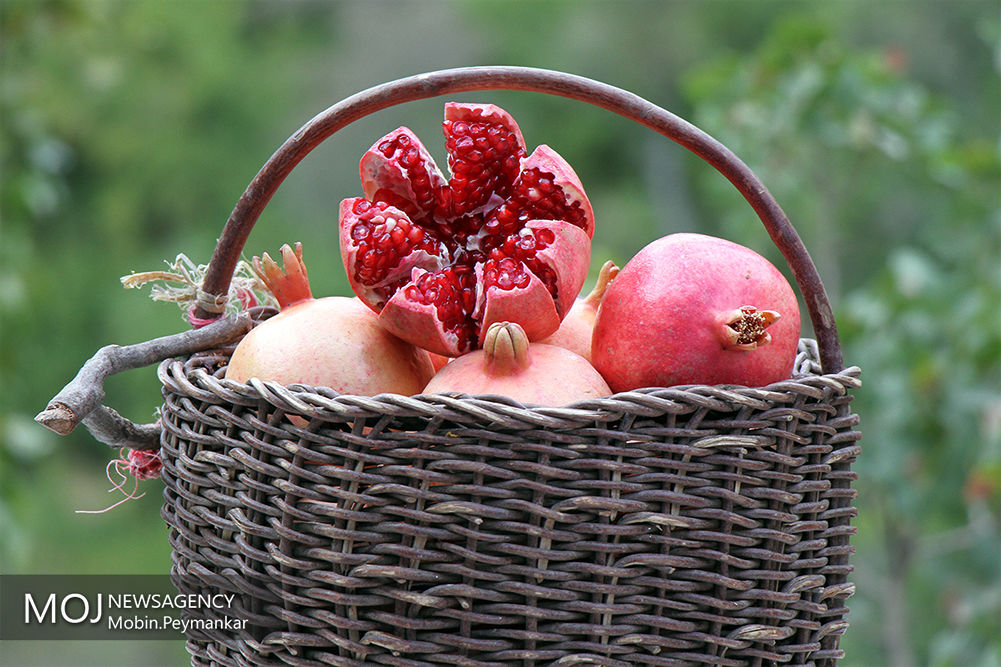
(667, 526)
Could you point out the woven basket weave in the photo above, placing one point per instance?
(690, 525)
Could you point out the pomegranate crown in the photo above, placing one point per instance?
(290, 286)
(605, 277)
(506, 347)
(744, 328)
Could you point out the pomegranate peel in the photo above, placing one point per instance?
(505, 237)
(503, 299)
(411, 315)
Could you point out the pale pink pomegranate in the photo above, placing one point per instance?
(577, 327)
(506, 238)
(695, 309)
(333, 342)
(531, 373)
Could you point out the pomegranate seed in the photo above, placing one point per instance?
(360, 231)
(384, 243)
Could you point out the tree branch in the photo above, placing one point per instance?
(114, 430)
(83, 395)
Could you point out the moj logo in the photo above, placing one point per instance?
(109, 607)
(73, 608)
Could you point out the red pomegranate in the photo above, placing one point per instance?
(333, 342)
(532, 373)
(577, 327)
(506, 238)
(695, 309)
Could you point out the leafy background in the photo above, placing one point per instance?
(129, 129)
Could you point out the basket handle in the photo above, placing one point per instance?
(432, 84)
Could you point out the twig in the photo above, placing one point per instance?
(114, 430)
(79, 400)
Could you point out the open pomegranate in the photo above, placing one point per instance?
(506, 238)
(695, 309)
(334, 341)
(509, 365)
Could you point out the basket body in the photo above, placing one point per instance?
(690, 525)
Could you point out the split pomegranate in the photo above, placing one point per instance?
(333, 342)
(575, 331)
(532, 373)
(695, 309)
(506, 238)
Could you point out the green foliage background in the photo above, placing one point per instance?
(129, 130)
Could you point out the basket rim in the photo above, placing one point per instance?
(180, 375)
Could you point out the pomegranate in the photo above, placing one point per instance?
(695, 309)
(532, 373)
(575, 331)
(438, 361)
(506, 238)
(334, 342)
